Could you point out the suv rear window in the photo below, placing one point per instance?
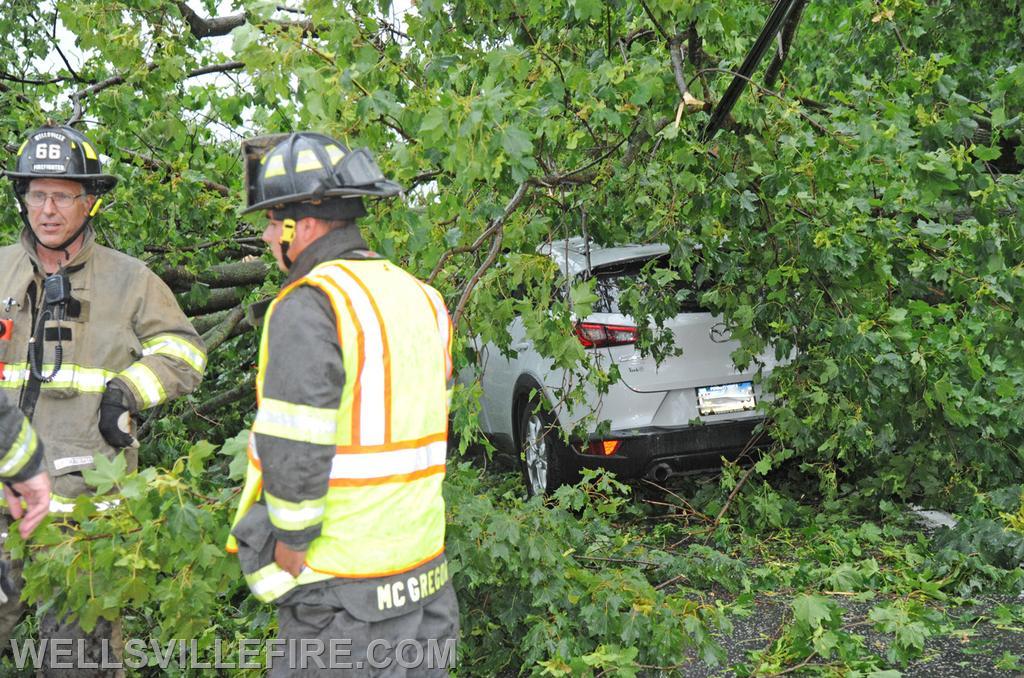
(612, 279)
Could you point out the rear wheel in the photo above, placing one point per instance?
(541, 449)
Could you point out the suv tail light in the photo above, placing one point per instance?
(604, 447)
(599, 335)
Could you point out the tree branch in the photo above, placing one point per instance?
(154, 164)
(650, 15)
(677, 51)
(28, 81)
(209, 27)
(222, 331)
(216, 68)
(219, 299)
(230, 397)
(495, 227)
(234, 274)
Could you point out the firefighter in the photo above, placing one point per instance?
(22, 472)
(93, 336)
(24, 479)
(341, 521)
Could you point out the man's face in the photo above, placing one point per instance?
(272, 236)
(51, 223)
(307, 230)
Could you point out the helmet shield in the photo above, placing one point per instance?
(60, 152)
(308, 167)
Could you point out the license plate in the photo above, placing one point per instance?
(726, 398)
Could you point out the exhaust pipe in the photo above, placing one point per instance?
(661, 472)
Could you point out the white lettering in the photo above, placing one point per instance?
(338, 652)
(398, 597)
(371, 654)
(438, 657)
(384, 597)
(165, 658)
(71, 461)
(275, 648)
(135, 649)
(194, 662)
(30, 648)
(249, 649)
(56, 652)
(218, 658)
(417, 658)
(105, 661)
(414, 588)
(312, 648)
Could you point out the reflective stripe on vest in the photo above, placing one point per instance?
(383, 513)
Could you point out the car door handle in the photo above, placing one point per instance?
(522, 345)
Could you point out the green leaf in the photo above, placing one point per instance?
(987, 153)
(197, 454)
(586, 9)
(237, 448)
(812, 610)
(435, 119)
(516, 142)
(107, 473)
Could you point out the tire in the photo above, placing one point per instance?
(542, 452)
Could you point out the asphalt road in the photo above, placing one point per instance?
(968, 652)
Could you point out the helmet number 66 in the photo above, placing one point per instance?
(48, 151)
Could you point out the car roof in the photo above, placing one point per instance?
(571, 254)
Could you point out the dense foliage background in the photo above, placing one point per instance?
(861, 212)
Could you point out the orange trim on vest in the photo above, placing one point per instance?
(396, 446)
(377, 574)
(447, 333)
(357, 389)
(384, 480)
(384, 346)
(334, 307)
(366, 449)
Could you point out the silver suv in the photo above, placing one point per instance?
(681, 415)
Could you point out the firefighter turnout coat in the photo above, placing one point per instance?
(123, 325)
(347, 452)
(21, 453)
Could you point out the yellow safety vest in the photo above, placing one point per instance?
(383, 513)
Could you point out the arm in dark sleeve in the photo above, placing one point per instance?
(296, 424)
(21, 451)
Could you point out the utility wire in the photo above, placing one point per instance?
(757, 52)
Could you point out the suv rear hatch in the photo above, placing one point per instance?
(705, 359)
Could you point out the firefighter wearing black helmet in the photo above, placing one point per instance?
(90, 335)
(341, 521)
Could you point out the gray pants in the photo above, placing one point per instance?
(320, 640)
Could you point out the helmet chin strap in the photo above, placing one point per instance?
(287, 235)
(63, 247)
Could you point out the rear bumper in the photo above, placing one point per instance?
(656, 452)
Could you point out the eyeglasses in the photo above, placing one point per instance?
(38, 198)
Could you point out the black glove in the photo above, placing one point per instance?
(116, 419)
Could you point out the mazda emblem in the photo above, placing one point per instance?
(719, 333)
